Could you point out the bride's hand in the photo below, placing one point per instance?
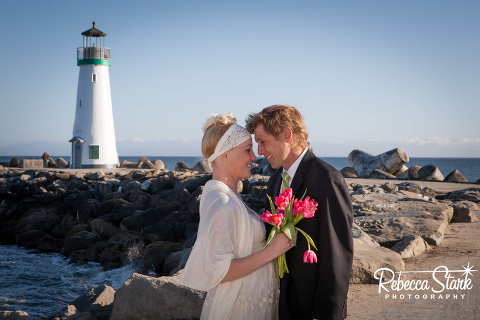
(279, 244)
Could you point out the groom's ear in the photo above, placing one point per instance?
(287, 134)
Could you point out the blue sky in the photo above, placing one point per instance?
(369, 75)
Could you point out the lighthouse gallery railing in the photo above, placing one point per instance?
(93, 53)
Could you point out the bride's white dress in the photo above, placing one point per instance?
(227, 230)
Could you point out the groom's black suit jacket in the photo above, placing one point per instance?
(318, 290)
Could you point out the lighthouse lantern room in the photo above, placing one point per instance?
(93, 142)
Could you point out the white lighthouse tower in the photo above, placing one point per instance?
(93, 142)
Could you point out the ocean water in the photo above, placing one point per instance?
(468, 167)
(43, 283)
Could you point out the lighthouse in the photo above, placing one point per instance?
(93, 142)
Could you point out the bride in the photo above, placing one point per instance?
(228, 259)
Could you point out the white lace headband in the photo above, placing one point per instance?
(234, 136)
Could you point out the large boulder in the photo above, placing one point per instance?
(410, 246)
(430, 172)
(464, 211)
(455, 176)
(203, 167)
(349, 172)
(471, 194)
(80, 240)
(367, 259)
(141, 219)
(159, 164)
(389, 162)
(390, 228)
(156, 254)
(182, 166)
(145, 298)
(95, 304)
(103, 228)
(160, 231)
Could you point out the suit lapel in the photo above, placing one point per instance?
(302, 170)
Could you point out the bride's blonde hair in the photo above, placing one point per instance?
(213, 130)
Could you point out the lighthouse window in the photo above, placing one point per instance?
(94, 77)
(93, 152)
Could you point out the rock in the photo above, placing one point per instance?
(464, 212)
(52, 163)
(132, 186)
(95, 250)
(103, 188)
(49, 244)
(403, 176)
(156, 253)
(164, 181)
(91, 302)
(142, 159)
(145, 298)
(403, 169)
(142, 219)
(470, 194)
(77, 229)
(430, 172)
(62, 175)
(103, 228)
(95, 175)
(388, 162)
(367, 259)
(160, 231)
(203, 167)
(410, 246)
(13, 162)
(61, 163)
(478, 181)
(81, 316)
(14, 315)
(26, 238)
(390, 228)
(361, 235)
(182, 166)
(379, 174)
(413, 172)
(173, 260)
(159, 164)
(349, 172)
(455, 176)
(128, 164)
(80, 240)
(390, 186)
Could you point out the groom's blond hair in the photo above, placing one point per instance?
(278, 117)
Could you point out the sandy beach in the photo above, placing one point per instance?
(460, 248)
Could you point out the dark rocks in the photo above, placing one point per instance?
(464, 212)
(455, 176)
(471, 194)
(30, 237)
(156, 254)
(159, 232)
(142, 219)
(80, 240)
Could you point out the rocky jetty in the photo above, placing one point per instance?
(392, 165)
(149, 218)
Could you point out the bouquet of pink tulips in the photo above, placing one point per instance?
(288, 213)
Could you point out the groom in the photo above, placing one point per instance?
(317, 290)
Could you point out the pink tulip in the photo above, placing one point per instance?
(310, 208)
(298, 207)
(282, 202)
(309, 256)
(266, 217)
(277, 219)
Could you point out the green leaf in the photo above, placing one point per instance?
(270, 236)
(309, 239)
(272, 206)
(304, 194)
(289, 230)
